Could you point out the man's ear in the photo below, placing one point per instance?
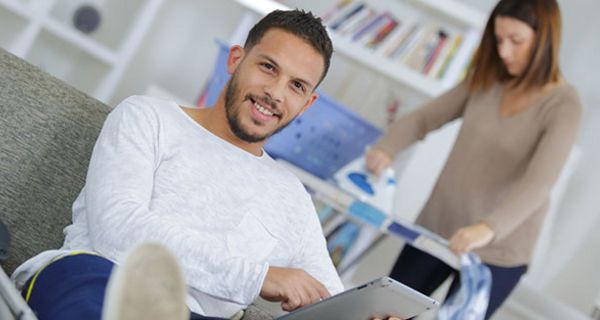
(236, 55)
(313, 97)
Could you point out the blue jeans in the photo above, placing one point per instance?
(425, 273)
(73, 287)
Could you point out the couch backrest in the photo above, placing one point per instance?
(47, 132)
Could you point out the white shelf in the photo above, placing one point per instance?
(86, 44)
(16, 7)
(12, 25)
(117, 19)
(457, 10)
(387, 67)
(469, 18)
(67, 61)
(263, 6)
(40, 31)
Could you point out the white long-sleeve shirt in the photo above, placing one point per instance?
(157, 175)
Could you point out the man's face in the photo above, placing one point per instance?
(270, 85)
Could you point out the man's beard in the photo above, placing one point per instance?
(232, 112)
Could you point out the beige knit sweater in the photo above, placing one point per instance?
(500, 170)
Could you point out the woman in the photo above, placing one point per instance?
(520, 120)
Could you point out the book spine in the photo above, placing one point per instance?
(341, 20)
(407, 37)
(369, 27)
(448, 58)
(461, 58)
(382, 33)
(356, 22)
(441, 41)
(334, 10)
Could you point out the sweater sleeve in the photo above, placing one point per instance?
(531, 191)
(313, 256)
(415, 125)
(120, 215)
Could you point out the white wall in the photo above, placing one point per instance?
(180, 48)
(577, 283)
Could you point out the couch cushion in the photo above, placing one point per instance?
(47, 132)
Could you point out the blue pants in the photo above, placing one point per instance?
(72, 288)
(425, 273)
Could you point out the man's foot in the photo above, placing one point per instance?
(147, 285)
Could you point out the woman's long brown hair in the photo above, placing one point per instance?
(543, 16)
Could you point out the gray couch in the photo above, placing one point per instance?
(47, 132)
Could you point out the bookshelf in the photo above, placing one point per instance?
(41, 31)
(451, 15)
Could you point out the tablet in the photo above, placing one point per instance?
(379, 298)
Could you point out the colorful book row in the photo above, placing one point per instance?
(433, 50)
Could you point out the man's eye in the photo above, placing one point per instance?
(267, 66)
(298, 86)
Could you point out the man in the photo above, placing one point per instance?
(198, 182)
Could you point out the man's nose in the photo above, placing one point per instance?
(275, 90)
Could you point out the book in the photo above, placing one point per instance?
(356, 22)
(325, 17)
(341, 240)
(382, 33)
(365, 239)
(441, 55)
(462, 56)
(406, 42)
(370, 27)
(396, 41)
(449, 56)
(333, 223)
(416, 55)
(324, 211)
(442, 36)
(391, 39)
(345, 15)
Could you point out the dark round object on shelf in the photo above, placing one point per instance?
(86, 19)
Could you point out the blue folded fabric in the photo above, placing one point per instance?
(470, 301)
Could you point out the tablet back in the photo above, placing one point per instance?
(379, 298)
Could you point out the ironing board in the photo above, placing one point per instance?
(416, 236)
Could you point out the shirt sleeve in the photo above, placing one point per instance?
(120, 215)
(531, 191)
(415, 125)
(313, 256)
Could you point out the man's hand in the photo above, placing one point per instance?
(471, 237)
(294, 288)
(377, 161)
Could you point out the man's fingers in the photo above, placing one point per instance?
(293, 287)
(291, 303)
(321, 290)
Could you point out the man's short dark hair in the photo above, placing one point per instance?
(299, 23)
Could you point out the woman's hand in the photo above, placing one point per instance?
(471, 237)
(377, 161)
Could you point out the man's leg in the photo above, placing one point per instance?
(420, 270)
(70, 288)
